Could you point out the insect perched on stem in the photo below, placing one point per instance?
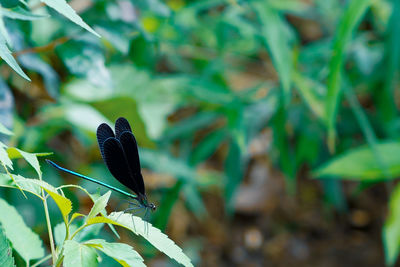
(121, 156)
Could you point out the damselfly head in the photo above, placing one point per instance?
(152, 207)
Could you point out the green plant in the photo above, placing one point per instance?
(204, 80)
(68, 241)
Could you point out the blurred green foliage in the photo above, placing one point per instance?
(201, 81)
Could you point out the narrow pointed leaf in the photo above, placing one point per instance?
(149, 232)
(391, 229)
(309, 90)
(360, 163)
(31, 158)
(6, 55)
(348, 24)
(4, 130)
(63, 8)
(13, 153)
(275, 35)
(22, 14)
(99, 205)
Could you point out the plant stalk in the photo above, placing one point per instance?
(46, 211)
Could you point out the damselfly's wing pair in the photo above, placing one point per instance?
(120, 153)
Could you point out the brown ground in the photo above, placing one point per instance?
(270, 228)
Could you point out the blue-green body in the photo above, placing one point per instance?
(92, 180)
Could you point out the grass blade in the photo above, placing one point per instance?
(348, 23)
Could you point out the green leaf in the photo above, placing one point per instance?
(206, 147)
(145, 229)
(63, 8)
(19, 182)
(5, 180)
(4, 156)
(275, 34)
(122, 253)
(93, 198)
(391, 229)
(23, 239)
(63, 203)
(6, 258)
(29, 157)
(4, 130)
(366, 127)
(79, 255)
(310, 90)
(59, 232)
(351, 18)
(27, 185)
(14, 153)
(20, 13)
(360, 164)
(6, 55)
(99, 205)
(86, 233)
(3, 29)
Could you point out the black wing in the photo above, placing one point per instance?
(130, 148)
(121, 126)
(117, 163)
(103, 133)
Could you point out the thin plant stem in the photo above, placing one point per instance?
(77, 231)
(46, 211)
(60, 260)
(48, 222)
(42, 260)
(48, 47)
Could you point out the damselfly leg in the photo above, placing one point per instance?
(146, 217)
